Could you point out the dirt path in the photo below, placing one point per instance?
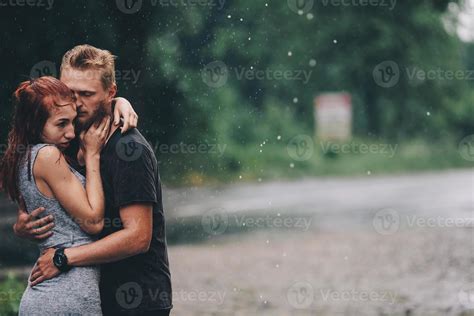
(375, 245)
(413, 272)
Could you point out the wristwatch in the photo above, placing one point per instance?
(60, 260)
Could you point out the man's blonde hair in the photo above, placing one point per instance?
(86, 57)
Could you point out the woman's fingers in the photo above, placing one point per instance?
(126, 124)
(105, 129)
(135, 120)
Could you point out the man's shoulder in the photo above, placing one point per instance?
(129, 146)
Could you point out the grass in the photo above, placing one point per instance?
(279, 160)
(11, 290)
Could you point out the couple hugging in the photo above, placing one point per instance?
(89, 193)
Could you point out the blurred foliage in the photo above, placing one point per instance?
(168, 47)
(11, 291)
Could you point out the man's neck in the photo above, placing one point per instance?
(112, 130)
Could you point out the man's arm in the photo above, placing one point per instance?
(133, 239)
(27, 226)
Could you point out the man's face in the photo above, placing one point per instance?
(89, 91)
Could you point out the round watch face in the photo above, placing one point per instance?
(59, 260)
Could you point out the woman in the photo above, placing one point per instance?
(35, 169)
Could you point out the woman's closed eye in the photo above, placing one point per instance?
(63, 123)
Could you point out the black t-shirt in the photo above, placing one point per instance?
(130, 175)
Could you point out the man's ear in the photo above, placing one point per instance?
(112, 92)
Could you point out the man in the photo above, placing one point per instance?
(135, 276)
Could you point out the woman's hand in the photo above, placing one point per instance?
(94, 138)
(123, 109)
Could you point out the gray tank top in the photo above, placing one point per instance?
(66, 232)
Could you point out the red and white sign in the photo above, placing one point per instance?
(333, 116)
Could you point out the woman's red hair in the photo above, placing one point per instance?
(33, 100)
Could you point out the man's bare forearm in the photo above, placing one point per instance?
(114, 247)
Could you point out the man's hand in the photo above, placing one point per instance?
(44, 268)
(124, 109)
(27, 226)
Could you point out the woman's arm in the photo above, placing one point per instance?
(86, 206)
(123, 109)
